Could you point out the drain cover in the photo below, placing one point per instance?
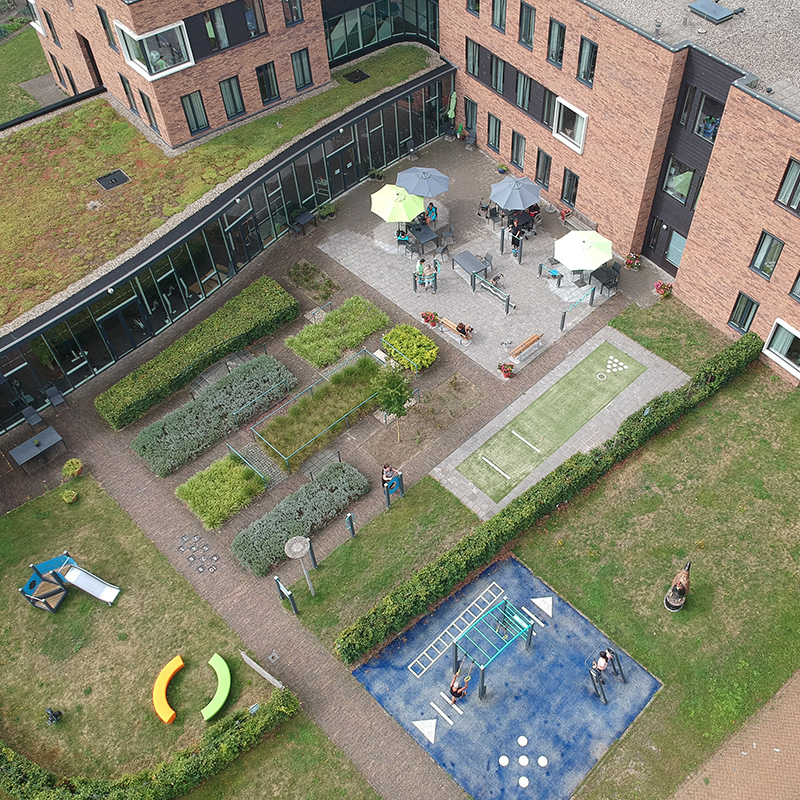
(113, 179)
(356, 75)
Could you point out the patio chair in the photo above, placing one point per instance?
(411, 250)
(487, 259)
(54, 396)
(441, 249)
(493, 216)
(469, 144)
(32, 416)
(612, 277)
(447, 236)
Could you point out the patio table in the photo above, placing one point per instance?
(423, 234)
(470, 264)
(28, 450)
(303, 219)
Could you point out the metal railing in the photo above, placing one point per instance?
(249, 463)
(255, 400)
(414, 366)
(496, 291)
(589, 294)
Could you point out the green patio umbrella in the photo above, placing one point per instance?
(583, 250)
(451, 109)
(395, 204)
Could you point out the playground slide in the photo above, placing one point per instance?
(91, 584)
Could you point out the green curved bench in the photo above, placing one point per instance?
(220, 666)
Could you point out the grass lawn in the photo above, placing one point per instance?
(49, 170)
(21, 59)
(387, 550)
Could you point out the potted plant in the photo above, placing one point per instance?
(502, 168)
(506, 370)
(375, 174)
(69, 496)
(72, 469)
(327, 210)
(633, 261)
(431, 317)
(664, 289)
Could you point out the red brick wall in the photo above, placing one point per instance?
(629, 107)
(165, 93)
(750, 156)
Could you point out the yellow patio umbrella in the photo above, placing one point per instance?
(394, 204)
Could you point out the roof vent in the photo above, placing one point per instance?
(113, 179)
(356, 76)
(713, 12)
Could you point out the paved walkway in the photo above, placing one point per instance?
(379, 748)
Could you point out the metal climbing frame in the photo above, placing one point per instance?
(489, 635)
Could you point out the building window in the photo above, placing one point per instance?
(57, 68)
(498, 74)
(543, 162)
(586, 61)
(548, 108)
(678, 180)
(232, 97)
(302, 69)
(470, 114)
(688, 101)
(570, 125)
(215, 28)
(148, 109)
(523, 99)
(254, 17)
(518, 150)
(71, 80)
(767, 254)
(569, 187)
(107, 27)
(555, 43)
(494, 133)
(783, 347)
(795, 292)
(743, 313)
(195, 112)
(52, 28)
(527, 21)
(708, 116)
(499, 14)
(674, 252)
(789, 193)
(654, 233)
(473, 57)
(158, 52)
(126, 85)
(474, 7)
(292, 11)
(268, 83)
(36, 20)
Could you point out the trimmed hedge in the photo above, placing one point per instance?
(309, 509)
(477, 549)
(186, 432)
(322, 343)
(418, 348)
(259, 309)
(220, 744)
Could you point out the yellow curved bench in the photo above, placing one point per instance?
(160, 704)
(220, 666)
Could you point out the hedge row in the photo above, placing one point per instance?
(220, 744)
(310, 508)
(186, 432)
(258, 310)
(477, 549)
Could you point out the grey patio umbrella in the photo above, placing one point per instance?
(515, 194)
(424, 181)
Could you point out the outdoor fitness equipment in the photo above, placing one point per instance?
(488, 636)
(596, 674)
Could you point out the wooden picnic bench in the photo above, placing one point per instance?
(519, 352)
(451, 326)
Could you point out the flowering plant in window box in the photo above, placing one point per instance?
(431, 317)
(664, 289)
(506, 369)
(633, 261)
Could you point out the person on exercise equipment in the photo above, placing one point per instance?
(602, 662)
(457, 689)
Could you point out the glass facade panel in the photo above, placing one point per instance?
(674, 252)
(157, 52)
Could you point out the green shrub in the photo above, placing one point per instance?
(306, 275)
(186, 432)
(309, 509)
(219, 491)
(258, 310)
(220, 744)
(322, 343)
(420, 351)
(438, 579)
(314, 415)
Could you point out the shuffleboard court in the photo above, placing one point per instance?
(499, 465)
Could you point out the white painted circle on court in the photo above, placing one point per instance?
(503, 761)
(522, 741)
(524, 782)
(542, 761)
(601, 376)
(624, 366)
(524, 761)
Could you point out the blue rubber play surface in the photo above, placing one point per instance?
(540, 728)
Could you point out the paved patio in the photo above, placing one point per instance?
(330, 695)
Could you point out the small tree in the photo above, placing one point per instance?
(393, 391)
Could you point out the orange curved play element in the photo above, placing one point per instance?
(160, 704)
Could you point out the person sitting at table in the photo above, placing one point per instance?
(533, 210)
(464, 330)
(430, 214)
(402, 237)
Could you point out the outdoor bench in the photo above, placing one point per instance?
(220, 666)
(160, 703)
(521, 350)
(450, 327)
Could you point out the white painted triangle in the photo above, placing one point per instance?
(544, 603)
(427, 728)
